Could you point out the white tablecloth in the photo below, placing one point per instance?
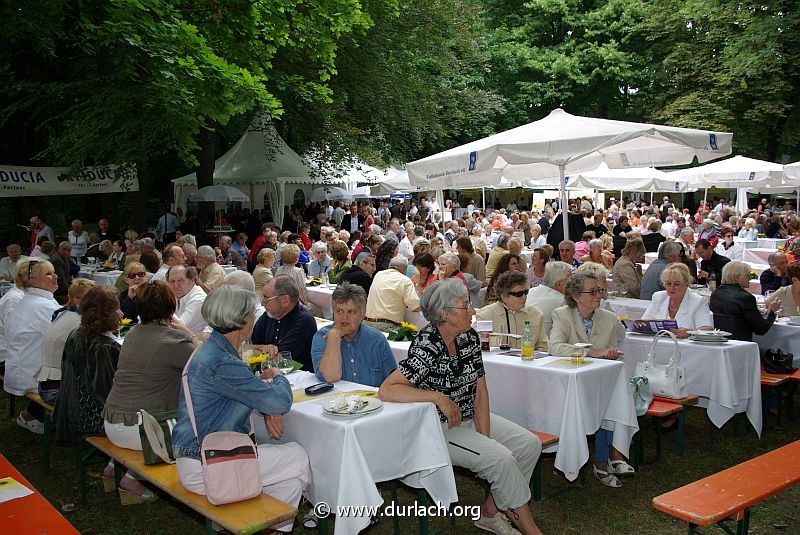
(349, 455)
(649, 258)
(627, 306)
(746, 244)
(229, 269)
(321, 296)
(727, 377)
(571, 403)
(781, 336)
(757, 255)
(109, 278)
(527, 255)
(770, 243)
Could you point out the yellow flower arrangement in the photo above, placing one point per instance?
(314, 281)
(125, 325)
(407, 331)
(254, 362)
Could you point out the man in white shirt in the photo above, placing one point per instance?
(390, 295)
(406, 246)
(172, 255)
(8, 265)
(511, 207)
(338, 214)
(470, 208)
(190, 297)
(549, 295)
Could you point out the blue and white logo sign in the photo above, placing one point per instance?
(712, 140)
(401, 196)
(751, 176)
(677, 186)
(473, 160)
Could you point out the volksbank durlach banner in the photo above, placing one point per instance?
(27, 181)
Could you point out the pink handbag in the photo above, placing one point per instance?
(231, 472)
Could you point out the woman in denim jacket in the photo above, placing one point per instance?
(224, 394)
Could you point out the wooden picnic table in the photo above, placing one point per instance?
(32, 513)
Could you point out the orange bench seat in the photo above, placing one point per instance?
(731, 492)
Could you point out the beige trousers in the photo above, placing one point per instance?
(506, 460)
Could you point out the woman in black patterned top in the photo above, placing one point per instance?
(445, 367)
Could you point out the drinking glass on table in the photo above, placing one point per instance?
(284, 362)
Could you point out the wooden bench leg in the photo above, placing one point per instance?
(537, 481)
(46, 444)
(681, 433)
(84, 452)
(322, 525)
(12, 413)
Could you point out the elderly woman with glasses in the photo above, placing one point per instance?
(689, 309)
(444, 367)
(225, 393)
(583, 321)
(509, 314)
(135, 275)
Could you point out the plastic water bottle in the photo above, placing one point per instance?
(527, 342)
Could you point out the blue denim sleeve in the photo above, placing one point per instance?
(317, 350)
(233, 379)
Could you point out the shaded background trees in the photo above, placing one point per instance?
(171, 85)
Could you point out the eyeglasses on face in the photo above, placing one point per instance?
(520, 293)
(468, 306)
(136, 274)
(265, 300)
(596, 291)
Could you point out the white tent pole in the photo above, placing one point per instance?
(798, 200)
(483, 197)
(651, 198)
(564, 201)
(705, 197)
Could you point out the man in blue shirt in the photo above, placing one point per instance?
(286, 325)
(348, 350)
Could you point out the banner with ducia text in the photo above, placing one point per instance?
(16, 181)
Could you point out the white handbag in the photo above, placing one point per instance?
(666, 380)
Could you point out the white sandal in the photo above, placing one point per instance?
(606, 478)
(620, 468)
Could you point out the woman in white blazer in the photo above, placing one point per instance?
(582, 320)
(689, 309)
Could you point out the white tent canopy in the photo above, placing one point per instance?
(633, 179)
(563, 144)
(260, 162)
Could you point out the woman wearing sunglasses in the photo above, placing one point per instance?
(583, 321)
(509, 313)
(135, 275)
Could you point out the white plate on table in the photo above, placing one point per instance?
(709, 334)
(714, 341)
(373, 405)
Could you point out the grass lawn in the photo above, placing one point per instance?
(591, 509)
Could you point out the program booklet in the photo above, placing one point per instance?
(650, 326)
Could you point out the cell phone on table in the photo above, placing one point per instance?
(319, 388)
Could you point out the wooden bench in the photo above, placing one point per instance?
(47, 443)
(249, 516)
(729, 494)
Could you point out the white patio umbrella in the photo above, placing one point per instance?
(563, 144)
(736, 172)
(361, 192)
(632, 179)
(330, 193)
(792, 171)
(218, 193)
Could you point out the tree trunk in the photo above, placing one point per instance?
(205, 175)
